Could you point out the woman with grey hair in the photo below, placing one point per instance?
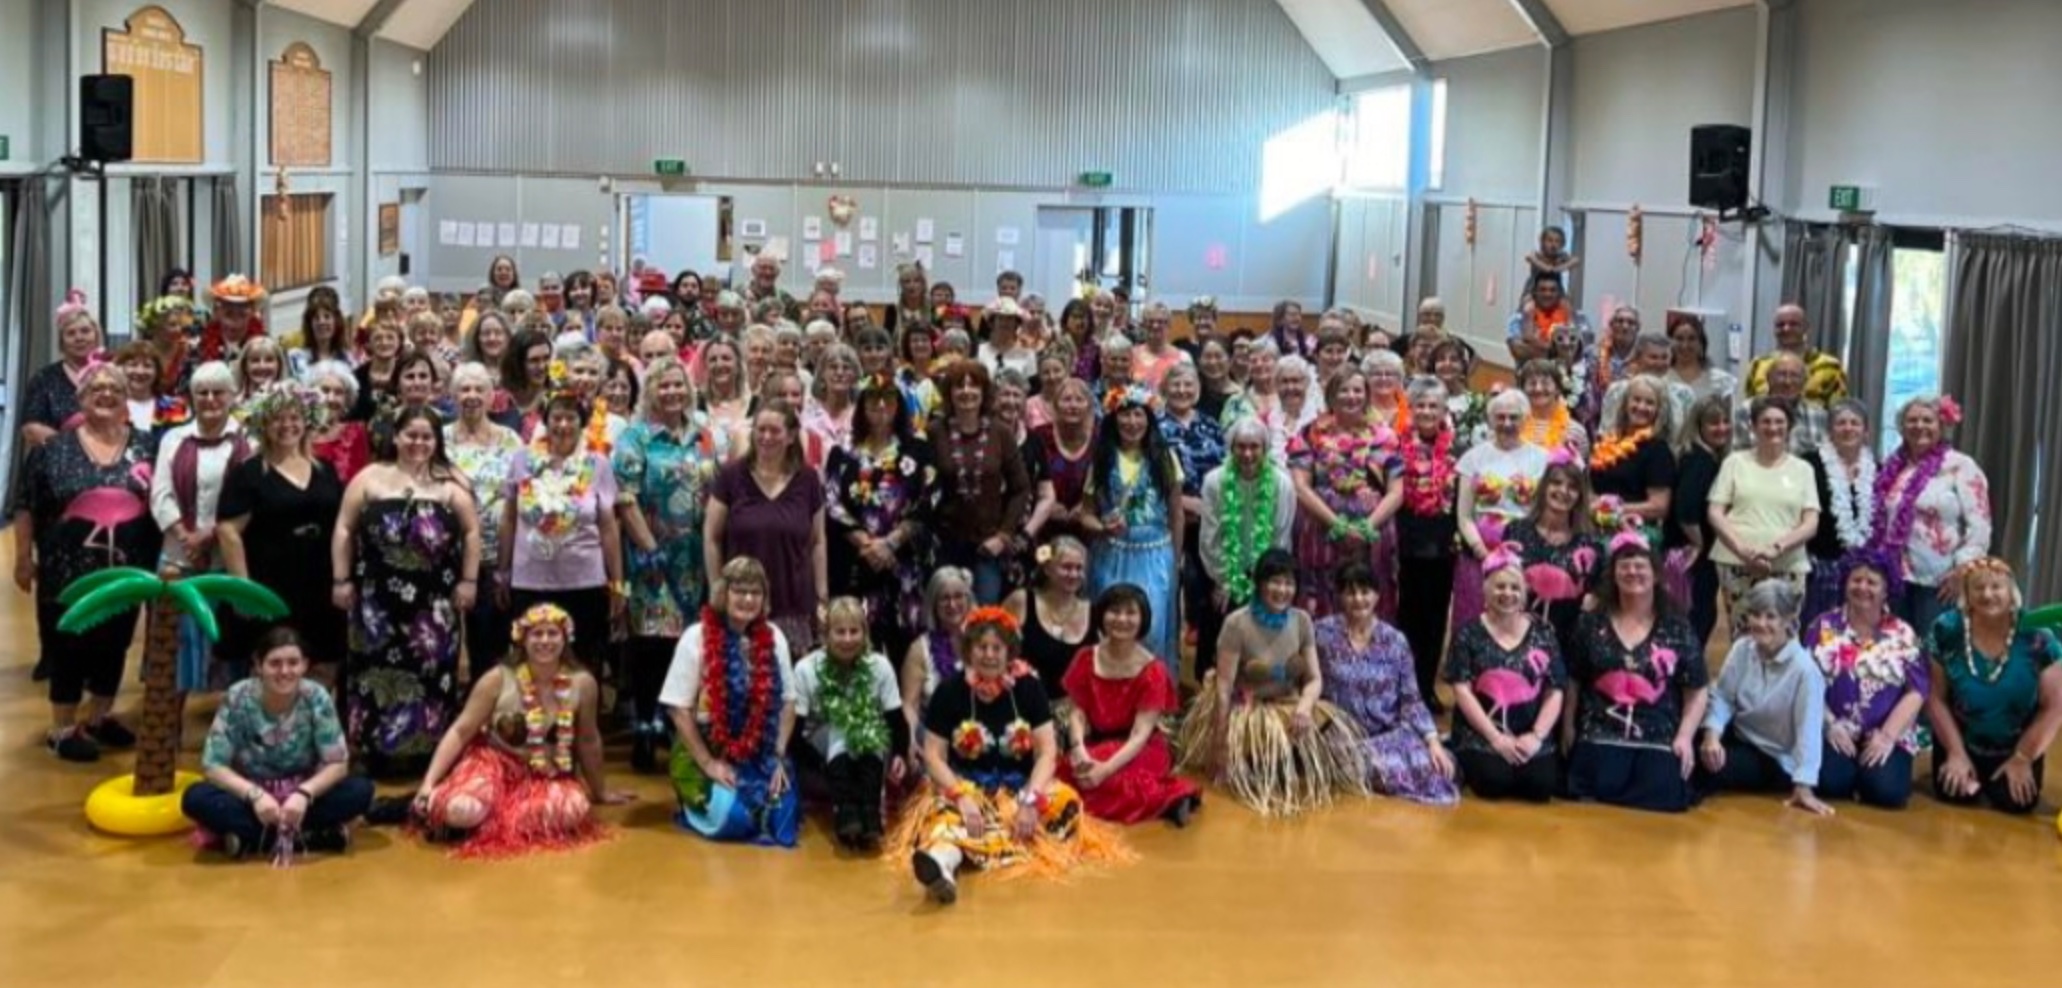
(1844, 466)
(1248, 507)
(1764, 727)
(193, 461)
(1933, 506)
(833, 396)
(935, 656)
(1118, 371)
(1426, 529)
(1494, 487)
(343, 443)
(482, 450)
(1388, 404)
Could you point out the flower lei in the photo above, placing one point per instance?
(1251, 514)
(1854, 518)
(1898, 532)
(972, 739)
(1613, 450)
(1428, 474)
(848, 703)
(1546, 433)
(550, 498)
(944, 649)
(755, 709)
(557, 760)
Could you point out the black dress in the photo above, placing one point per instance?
(286, 548)
(1047, 655)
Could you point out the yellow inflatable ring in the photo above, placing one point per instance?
(114, 808)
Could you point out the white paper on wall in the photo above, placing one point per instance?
(902, 244)
(843, 239)
(926, 231)
(925, 257)
(530, 235)
(506, 234)
(869, 229)
(569, 238)
(462, 236)
(1005, 260)
(812, 228)
(447, 233)
(550, 239)
(869, 257)
(1007, 235)
(955, 245)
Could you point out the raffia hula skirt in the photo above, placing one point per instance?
(1066, 838)
(1267, 766)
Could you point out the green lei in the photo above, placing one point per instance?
(1250, 530)
(848, 703)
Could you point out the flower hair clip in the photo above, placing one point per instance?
(1117, 399)
(1043, 554)
(1564, 456)
(1950, 411)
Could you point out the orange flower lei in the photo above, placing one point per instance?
(598, 427)
(1546, 433)
(1612, 450)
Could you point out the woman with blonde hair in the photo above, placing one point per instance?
(1997, 694)
(850, 708)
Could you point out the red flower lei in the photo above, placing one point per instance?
(1428, 480)
(747, 743)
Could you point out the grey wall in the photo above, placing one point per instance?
(398, 125)
(1170, 95)
(1494, 124)
(1637, 93)
(21, 112)
(1946, 109)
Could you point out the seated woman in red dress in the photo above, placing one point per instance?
(1122, 763)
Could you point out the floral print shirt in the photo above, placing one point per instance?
(666, 476)
(1865, 679)
(1199, 446)
(1350, 469)
(252, 742)
(1951, 525)
(486, 465)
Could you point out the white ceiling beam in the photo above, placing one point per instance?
(377, 17)
(1399, 37)
(1543, 21)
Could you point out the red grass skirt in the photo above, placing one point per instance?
(526, 812)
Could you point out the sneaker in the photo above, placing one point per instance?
(231, 846)
(931, 875)
(41, 672)
(111, 734)
(850, 827)
(1178, 815)
(73, 745)
(326, 840)
(390, 811)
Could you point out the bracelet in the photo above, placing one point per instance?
(302, 791)
(619, 589)
(250, 796)
(340, 582)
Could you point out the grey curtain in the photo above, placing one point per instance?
(2004, 353)
(1868, 341)
(1812, 278)
(228, 257)
(154, 205)
(27, 342)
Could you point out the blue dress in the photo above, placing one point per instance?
(1143, 555)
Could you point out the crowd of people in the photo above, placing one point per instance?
(942, 564)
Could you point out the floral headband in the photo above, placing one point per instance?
(882, 384)
(282, 395)
(539, 616)
(1989, 565)
(558, 386)
(1630, 540)
(153, 314)
(1564, 456)
(1130, 395)
(997, 618)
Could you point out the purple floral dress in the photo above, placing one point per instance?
(1378, 685)
(402, 682)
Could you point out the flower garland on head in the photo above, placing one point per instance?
(1428, 474)
(1249, 507)
(558, 385)
(543, 759)
(1613, 450)
(1854, 518)
(740, 720)
(849, 706)
(282, 395)
(1116, 399)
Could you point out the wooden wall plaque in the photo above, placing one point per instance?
(152, 49)
(301, 108)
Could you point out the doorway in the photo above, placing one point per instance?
(1092, 246)
(676, 232)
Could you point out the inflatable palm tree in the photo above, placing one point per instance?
(101, 595)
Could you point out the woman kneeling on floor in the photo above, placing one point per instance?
(851, 709)
(278, 774)
(1765, 725)
(990, 753)
(520, 769)
(1259, 723)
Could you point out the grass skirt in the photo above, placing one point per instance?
(526, 812)
(1066, 838)
(1267, 766)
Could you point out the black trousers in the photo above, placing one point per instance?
(1424, 593)
(1993, 791)
(223, 812)
(646, 661)
(89, 662)
(1747, 769)
(487, 628)
(855, 784)
(1202, 612)
(1703, 598)
(1490, 777)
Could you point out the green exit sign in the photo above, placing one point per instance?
(670, 167)
(1096, 180)
(1845, 198)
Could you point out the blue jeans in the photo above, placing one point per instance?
(217, 809)
(1888, 785)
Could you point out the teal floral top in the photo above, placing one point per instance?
(667, 477)
(249, 740)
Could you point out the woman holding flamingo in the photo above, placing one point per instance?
(1643, 690)
(1508, 683)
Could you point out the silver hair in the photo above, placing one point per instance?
(1014, 378)
(471, 372)
(214, 373)
(338, 371)
(413, 292)
(821, 327)
(576, 350)
(1296, 365)
(1848, 406)
(1648, 340)
(1425, 386)
(786, 330)
(1183, 369)
(1265, 345)
(1381, 360)
(1247, 428)
(1510, 400)
(944, 578)
(836, 353)
(1117, 343)
(518, 300)
(1772, 597)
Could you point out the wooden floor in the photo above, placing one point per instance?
(1740, 892)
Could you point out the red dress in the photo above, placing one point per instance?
(1147, 787)
(349, 451)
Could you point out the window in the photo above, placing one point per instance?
(1918, 293)
(1378, 156)
(1436, 172)
(295, 237)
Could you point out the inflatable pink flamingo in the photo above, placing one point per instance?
(109, 508)
(1628, 691)
(1506, 688)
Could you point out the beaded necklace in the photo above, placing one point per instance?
(969, 460)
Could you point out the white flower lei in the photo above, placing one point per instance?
(1854, 518)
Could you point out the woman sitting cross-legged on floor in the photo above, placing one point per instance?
(850, 705)
(521, 767)
(1121, 761)
(278, 776)
(1765, 724)
(990, 755)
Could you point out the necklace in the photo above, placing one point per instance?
(849, 705)
(1250, 508)
(543, 760)
(1905, 511)
(1613, 450)
(1854, 518)
(737, 687)
(1428, 474)
(972, 739)
(1546, 433)
(969, 461)
(1997, 666)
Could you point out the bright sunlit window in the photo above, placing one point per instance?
(1437, 177)
(1918, 291)
(1379, 157)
